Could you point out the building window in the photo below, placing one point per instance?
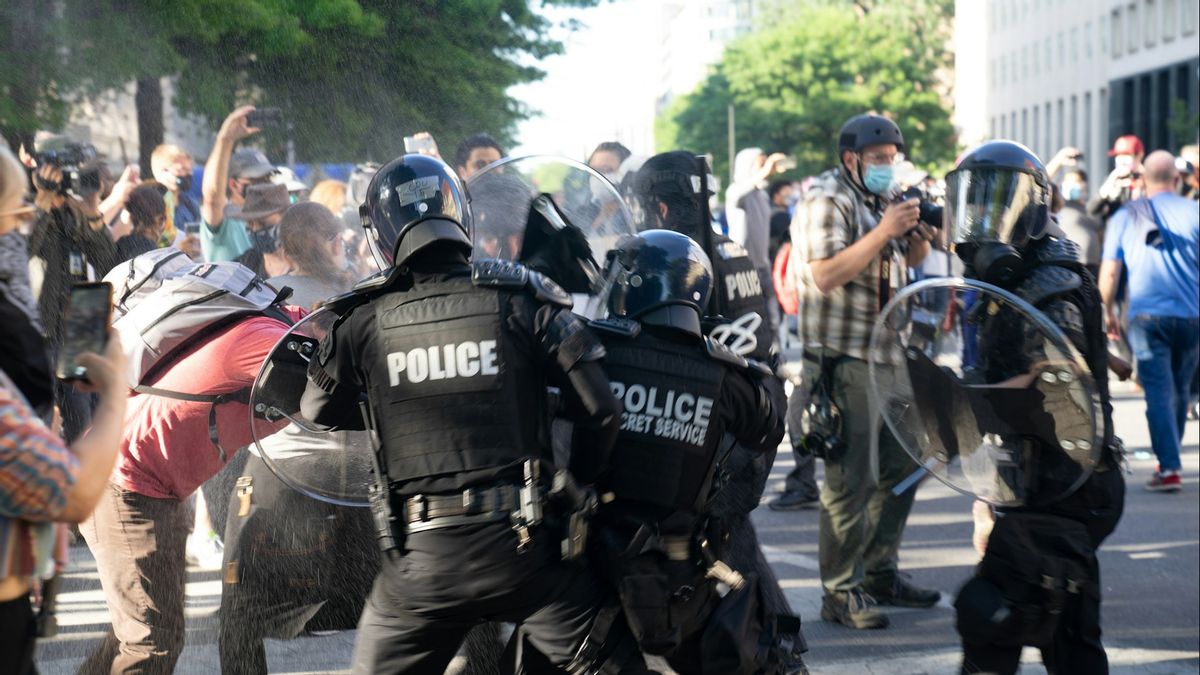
(1025, 126)
(1087, 147)
(1048, 145)
(1133, 26)
(1170, 15)
(1049, 55)
(1074, 131)
(1087, 41)
(1059, 130)
(1187, 19)
(1062, 50)
(1150, 23)
(1025, 62)
(1075, 45)
(1117, 38)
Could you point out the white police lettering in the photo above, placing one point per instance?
(665, 413)
(744, 284)
(443, 362)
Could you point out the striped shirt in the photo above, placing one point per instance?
(37, 471)
(834, 215)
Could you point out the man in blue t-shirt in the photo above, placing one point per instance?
(226, 177)
(1156, 238)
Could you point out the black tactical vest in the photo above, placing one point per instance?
(451, 391)
(738, 296)
(670, 429)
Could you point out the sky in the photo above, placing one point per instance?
(601, 88)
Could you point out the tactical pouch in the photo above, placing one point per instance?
(1035, 565)
(741, 637)
(646, 601)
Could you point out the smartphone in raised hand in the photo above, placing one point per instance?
(260, 118)
(85, 329)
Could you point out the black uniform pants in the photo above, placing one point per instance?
(1076, 647)
(448, 580)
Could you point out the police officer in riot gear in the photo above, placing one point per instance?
(670, 191)
(455, 360)
(997, 202)
(685, 397)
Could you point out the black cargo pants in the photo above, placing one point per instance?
(448, 580)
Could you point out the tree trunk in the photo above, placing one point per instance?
(26, 29)
(149, 103)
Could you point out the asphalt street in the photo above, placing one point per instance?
(1151, 568)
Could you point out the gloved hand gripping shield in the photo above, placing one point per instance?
(554, 215)
(332, 466)
(985, 392)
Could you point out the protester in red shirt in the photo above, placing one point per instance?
(137, 533)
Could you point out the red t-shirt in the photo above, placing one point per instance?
(166, 452)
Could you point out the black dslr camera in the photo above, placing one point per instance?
(821, 419)
(80, 167)
(928, 212)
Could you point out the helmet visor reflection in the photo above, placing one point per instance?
(988, 205)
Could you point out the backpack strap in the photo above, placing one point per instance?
(239, 396)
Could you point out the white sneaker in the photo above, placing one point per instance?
(205, 551)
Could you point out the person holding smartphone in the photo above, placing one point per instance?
(42, 478)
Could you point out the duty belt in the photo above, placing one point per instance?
(473, 505)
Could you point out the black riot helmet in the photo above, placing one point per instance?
(998, 203)
(862, 130)
(412, 202)
(678, 179)
(659, 277)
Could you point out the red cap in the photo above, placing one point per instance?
(1127, 145)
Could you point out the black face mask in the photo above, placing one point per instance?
(184, 182)
(265, 239)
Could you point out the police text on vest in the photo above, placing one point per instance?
(665, 413)
(443, 362)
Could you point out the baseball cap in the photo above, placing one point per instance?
(1127, 145)
(250, 163)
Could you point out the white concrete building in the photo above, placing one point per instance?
(694, 35)
(1051, 73)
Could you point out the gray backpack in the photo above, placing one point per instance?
(164, 304)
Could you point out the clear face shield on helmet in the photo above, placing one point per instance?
(993, 205)
(554, 214)
(645, 199)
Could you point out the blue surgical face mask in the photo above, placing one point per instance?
(1073, 193)
(878, 179)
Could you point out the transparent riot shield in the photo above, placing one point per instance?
(985, 392)
(330, 465)
(551, 213)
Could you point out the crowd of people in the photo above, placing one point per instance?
(783, 261)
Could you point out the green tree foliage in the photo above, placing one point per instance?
(352, 76)
(793, 82)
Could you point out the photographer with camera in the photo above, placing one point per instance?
(1124, 183)
(851, 250)
(71, 239)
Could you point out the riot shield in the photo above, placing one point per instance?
(332, 466)
(554, 214)
(985, 392)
